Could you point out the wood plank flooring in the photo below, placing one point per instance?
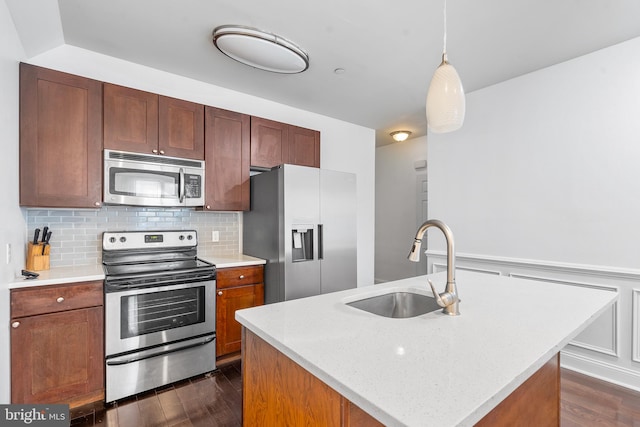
(215, 400)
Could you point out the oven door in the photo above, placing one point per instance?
(136, 319)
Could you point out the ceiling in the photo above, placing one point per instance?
(389, 49)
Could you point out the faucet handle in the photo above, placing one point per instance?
(444, 299)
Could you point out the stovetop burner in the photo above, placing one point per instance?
(151, 258)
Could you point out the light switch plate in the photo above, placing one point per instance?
(215, 236)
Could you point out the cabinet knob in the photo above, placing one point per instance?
(97, 203)
(219, 292)
(154, 151)
(15, 324)
(161, 151)
(60, 299)
(209, 207)
(241, 276)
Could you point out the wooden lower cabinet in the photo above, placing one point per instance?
(278, 391)
(57, 350)
(236, 288)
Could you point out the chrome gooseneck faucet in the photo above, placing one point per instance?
(449, 298)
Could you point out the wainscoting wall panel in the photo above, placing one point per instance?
(609, 348)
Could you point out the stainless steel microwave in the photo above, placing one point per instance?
(149, 180)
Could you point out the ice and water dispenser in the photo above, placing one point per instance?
(302, 243)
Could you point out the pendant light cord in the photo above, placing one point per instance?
(444, 47)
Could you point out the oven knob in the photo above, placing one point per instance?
(123, 239)
(181, 237)
(112, 239)
(189, 237)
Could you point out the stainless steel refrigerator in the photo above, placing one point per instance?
(303, 222)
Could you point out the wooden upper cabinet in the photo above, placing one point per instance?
(269, 143)
(180, 128)
(60, 139)
(304, 147)
(274, 143)
(227, 156)
(145, 122)
(130, 119)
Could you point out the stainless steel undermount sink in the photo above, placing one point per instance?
(399, 304)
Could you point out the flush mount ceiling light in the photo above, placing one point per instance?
(400, 135)
(445, 99)
(259, 49)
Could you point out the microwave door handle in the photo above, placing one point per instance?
(181, 186)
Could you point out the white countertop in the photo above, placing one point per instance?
(432, 369)
(84, 273)
(236, 260)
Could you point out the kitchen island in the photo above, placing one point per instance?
(431, 369)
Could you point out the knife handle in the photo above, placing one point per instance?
(35, 236)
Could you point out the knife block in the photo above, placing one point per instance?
(38, 257)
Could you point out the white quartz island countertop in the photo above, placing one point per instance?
(433, 369)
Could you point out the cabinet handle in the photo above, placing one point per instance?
(15, 325)
(161, 151)
(219, 292)
(154, 151)
(60, 299)
(241, 276)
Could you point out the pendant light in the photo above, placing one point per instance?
(445, 98)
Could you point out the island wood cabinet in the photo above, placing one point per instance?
(145, 122)
(57, 350)
(236, 288)
(278, 391)
(60, 139)
(274, 143)
(227, 156)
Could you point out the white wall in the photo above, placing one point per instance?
(396, 219)
(12, 222)
(543, 181)
(546, 166)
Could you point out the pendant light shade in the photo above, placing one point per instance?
(445, 99)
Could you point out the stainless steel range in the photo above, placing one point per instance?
(159, 310)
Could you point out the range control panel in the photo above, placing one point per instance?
(118, 240)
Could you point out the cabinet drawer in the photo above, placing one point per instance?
(238, 276)
(55, 298)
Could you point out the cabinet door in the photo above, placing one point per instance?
(130, 119)
(227, 159)
(58, 358)
(181, 128)
(269, 143)
(228, 330)
(60, 139)
(304, 147)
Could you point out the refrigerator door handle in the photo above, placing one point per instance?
(320, 241)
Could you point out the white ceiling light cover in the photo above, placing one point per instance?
(259, 49)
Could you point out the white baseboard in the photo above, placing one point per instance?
(598, 369)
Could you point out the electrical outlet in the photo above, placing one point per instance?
(215, 236)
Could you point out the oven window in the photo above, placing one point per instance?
(159, 311)
(142, 183)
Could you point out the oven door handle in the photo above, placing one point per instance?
(181, 184)
(155, 352)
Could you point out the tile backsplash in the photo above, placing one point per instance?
(76, 237)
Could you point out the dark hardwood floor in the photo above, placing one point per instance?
(215, 400)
